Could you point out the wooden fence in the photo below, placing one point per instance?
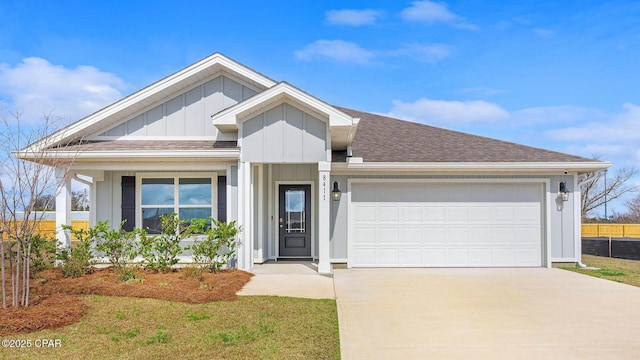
(611, 230)
(48, 227)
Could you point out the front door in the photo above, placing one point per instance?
(295, 220)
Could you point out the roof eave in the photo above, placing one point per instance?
(475, 167)
(109, 155)
(227, 120)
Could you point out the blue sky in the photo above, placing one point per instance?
(562, 75)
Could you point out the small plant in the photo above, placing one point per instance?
(242, 336)
(120, 316)
(118, 245)
(116, 335)
(43, 253)
(218, 245)
(160, 252)
(198, 316)
(193, 271)
(265, 327)
(161, 337)
(78, 260)
(127, 273)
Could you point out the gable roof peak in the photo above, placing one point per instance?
(216, 63)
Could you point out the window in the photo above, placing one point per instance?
(190, 196)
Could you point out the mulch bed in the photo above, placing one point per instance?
(52, 312)
(55, 301)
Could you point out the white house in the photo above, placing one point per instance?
(306, 179)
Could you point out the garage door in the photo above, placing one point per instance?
(403, 224)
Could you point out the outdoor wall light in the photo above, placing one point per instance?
(564, 192)
(335, 193)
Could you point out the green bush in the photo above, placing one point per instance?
(117, 245)
(78, 260)
(218, 244)
(43, 252)
(160, 252)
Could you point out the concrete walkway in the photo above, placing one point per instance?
(285, 278)
(485, 314)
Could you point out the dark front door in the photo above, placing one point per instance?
(295, 220)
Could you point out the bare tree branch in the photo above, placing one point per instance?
(594, 192)
(25, 185)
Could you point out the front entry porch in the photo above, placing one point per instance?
(290, 278)
(284, 210)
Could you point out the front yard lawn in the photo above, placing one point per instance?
(251, 327)
(620, 270)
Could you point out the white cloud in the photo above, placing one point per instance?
(619, 128)
(430, 53)
(432, 12)
(447, 112)
(335, 50)
(353, 17)
(349, 52)
(558, 115)
(36, 87)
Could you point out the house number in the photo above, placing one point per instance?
(324, 187)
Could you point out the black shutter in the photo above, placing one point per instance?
(129, 202)
(222, 198)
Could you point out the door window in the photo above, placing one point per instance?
(294, 211)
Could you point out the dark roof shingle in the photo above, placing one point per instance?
(384, 139)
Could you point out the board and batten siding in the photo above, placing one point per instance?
(284, 134)
(186, 115)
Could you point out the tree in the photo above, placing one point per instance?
(595, 193)
(25, 187)
(80, 201)
(633, 210)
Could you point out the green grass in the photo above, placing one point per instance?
(620, 270)
(253, 327)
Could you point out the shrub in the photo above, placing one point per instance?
(118, 245)
(43, 253)
(78, 260)
(218, 245)
(160, 252)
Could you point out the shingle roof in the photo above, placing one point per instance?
(146, 145)
(384, 139)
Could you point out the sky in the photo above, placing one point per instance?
(560, 75)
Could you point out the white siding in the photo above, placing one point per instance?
(284, 134)
(187, 114)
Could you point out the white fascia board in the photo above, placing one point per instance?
(123, 155)
(227, 120)
(191, 71)
(146, 165)
(243, 71)
(502, 167)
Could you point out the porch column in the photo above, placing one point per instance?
(63, 207)
(324, 216)
(244, 216)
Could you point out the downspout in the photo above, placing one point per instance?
(580, 264)
(78, 179)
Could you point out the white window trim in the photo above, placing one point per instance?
(176, 176)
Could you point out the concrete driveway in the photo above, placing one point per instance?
(485, 314)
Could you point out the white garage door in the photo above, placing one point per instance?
(416, 224)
